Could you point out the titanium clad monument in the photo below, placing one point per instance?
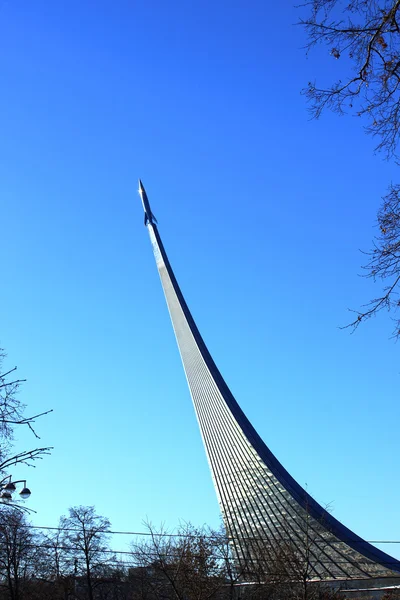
(262, 505)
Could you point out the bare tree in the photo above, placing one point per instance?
(12, 414)
(232, 571)
(26, 570)
(183, 565)
(53, 542)
(19, 553)
(201, 564)
(384, 262)
(365, 35)
(57, 579)
(85, 542)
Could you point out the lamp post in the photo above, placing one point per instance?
(7, 488)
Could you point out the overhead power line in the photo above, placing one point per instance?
(194, 536)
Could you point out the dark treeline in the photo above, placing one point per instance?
(76, 562)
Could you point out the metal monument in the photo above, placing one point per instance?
(262, 506)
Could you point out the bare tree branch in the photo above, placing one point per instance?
(367, 34)
(12, 415)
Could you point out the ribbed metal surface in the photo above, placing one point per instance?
(262, 506)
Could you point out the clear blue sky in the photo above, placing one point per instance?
(262, 212)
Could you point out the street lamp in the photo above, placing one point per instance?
(8, 488)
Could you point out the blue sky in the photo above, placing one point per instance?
(262, 212)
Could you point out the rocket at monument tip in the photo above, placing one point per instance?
(148, 215)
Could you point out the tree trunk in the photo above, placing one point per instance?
(89, 579)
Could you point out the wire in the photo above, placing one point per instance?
(209, 537)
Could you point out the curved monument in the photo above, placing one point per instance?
(263, 507)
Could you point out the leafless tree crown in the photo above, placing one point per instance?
(12, 414)
(365, 36)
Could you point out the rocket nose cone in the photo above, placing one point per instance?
(141, 189)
